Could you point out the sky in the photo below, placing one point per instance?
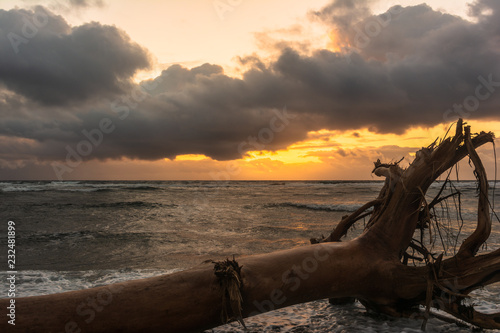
(239, 89)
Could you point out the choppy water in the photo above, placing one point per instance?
(75, 235)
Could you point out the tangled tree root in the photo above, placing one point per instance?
(228, 274)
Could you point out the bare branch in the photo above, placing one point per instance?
(472, 244)
(347, 222)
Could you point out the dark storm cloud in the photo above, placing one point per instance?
(196, 111)
(46, 60)
(409, 71)
(408, 66)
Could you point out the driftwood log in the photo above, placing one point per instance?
(374, 268)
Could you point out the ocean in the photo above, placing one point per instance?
(80, 234)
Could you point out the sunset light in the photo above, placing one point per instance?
(337, 42)
(172, 166)
(191, 157)
(187, 97)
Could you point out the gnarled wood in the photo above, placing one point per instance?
(472, 244)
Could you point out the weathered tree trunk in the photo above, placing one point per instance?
(372, 268)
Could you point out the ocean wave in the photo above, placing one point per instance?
(98, 186)
(21, 188)
(118, 204)
(44, 282)
(372, 184)
(44, 188)
(98, 236)
(331, 208)
(125, 204)
(76, 186)
(141, 188)
(465, 185)
(58, 236)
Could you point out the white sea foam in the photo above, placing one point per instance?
(40, 282)
(320, 316)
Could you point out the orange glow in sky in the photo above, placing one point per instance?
(323, 155)
(336, 42)
(191, 33)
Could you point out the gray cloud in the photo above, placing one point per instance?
(414, 69)
(46, 60)
(342, 14)
(86, 3)
(487, 12)
(67, 6)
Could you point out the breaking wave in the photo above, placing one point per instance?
(330, 208)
